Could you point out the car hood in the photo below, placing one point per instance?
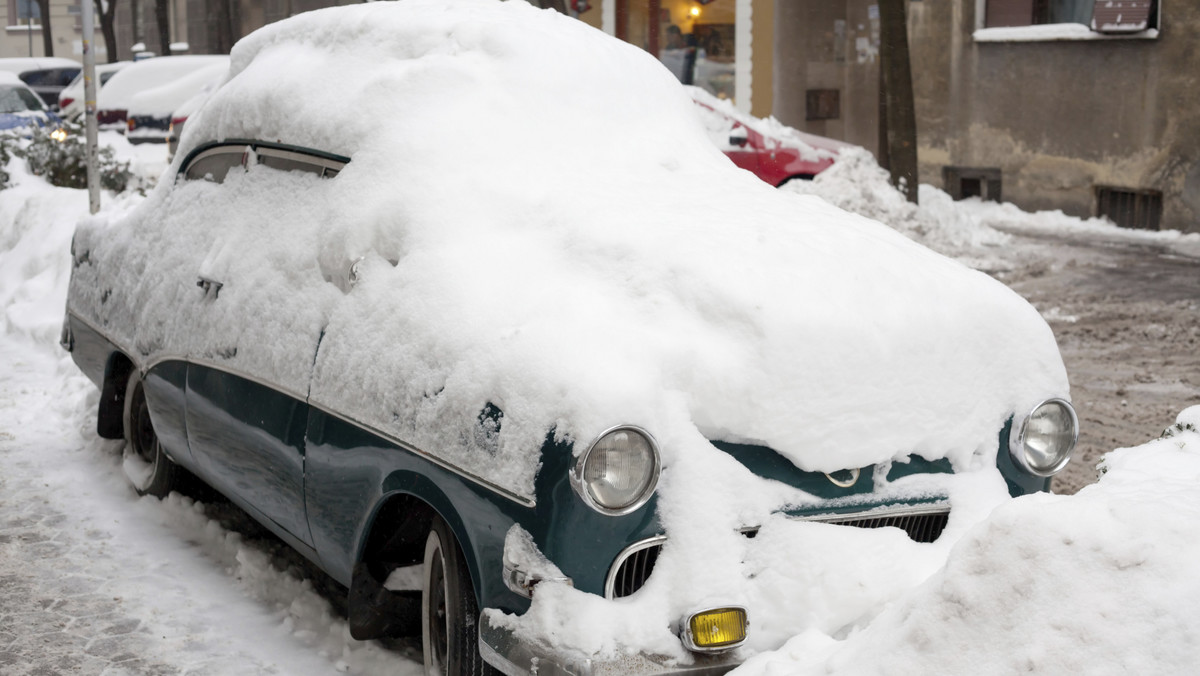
(552, 234)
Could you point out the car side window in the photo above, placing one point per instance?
(287, 160)
(214, 164)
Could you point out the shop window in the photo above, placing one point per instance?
(964, 182)
(1106, 16)
(1137, 209)
(694, 39)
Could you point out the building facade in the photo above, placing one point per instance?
(1020, 100)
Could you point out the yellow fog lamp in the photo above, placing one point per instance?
(715, 630)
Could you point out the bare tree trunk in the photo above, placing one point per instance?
(163, 19)
(107, 27)
(901, 113)
(47, 39)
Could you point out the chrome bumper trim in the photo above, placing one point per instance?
(504, 651)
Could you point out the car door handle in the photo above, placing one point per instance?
(211, 286)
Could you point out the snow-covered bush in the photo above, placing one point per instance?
(4, 159)
(62, 159)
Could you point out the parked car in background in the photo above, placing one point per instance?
(391, 356)
(180, 117)
(773, 151)
(70, 99)
(113, 101)
(150, 113)
(45, 75)
(20, 107)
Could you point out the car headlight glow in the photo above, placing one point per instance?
(618, 472)
(1042, 442)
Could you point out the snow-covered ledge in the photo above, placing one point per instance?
(1055, 32)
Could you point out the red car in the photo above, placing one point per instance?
(773, 151)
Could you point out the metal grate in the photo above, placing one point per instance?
(633, 570)
(1139, 209)
(921, 527)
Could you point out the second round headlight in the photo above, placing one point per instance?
(619, 471)
(1043, 441)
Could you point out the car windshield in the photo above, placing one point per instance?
(18, 100)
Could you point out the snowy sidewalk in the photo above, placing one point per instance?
(94, 580)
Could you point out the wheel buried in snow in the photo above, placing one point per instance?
(145, 464)
(449, 613)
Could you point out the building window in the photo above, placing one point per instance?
(822, 104)
(1138, 209)
(964, 182)
(24, 13)
(1106, 16)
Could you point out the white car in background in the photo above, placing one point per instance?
(70, 99)
(20, 107)
(150, 113)
(46, 76)
(113, 101)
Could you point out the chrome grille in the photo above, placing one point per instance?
(920, 526)
(634, 570)
(634, 565)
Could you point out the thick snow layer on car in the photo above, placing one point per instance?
(545, 226)
(542, 224)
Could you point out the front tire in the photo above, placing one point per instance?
(449, 613)
(145, 463)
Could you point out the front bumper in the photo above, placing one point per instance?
(514, 657)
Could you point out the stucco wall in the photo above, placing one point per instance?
(818, 46)
(1059, 118)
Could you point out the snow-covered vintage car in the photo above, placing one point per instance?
(464, 284)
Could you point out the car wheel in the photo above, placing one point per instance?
(449, 613)
(145, 464)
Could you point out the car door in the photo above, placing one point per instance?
(264, 306)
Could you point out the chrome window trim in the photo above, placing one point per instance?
(144, 365)
(880, 512)
(1016, 440)
(576, 474)
(610, 581)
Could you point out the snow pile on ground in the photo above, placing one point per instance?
(972, 231)
(39, 221)
(1102, 582)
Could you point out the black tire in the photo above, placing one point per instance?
(146, 465)
(449, 613)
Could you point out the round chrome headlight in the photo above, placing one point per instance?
(1041, 444)
(618, 472)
